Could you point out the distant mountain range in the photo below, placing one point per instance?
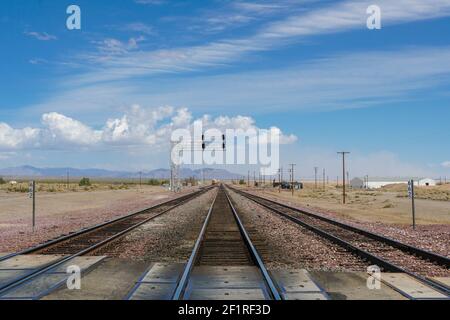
(29, 171)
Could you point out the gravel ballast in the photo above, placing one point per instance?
(289, 246)
(168, 238)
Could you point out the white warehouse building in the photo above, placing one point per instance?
(377, 183)
(427, 182)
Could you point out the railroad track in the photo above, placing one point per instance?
(88, 240)
(386, 253)
(223, 241)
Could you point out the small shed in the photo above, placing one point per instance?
(357, 183)
(427, 182)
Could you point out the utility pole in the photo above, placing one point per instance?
(279, 180)
(68, 183)
(140, 179)
(315, 177)
(343, 153)
(254, 178)
(292, 177)
(323, 179)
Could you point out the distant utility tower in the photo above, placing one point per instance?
(343, 153)
(323, 179)
(315, 177)
(292, 177)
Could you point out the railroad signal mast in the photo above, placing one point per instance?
(175, 183)
(204, 145)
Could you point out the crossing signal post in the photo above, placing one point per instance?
(411, 196)
(32, 195)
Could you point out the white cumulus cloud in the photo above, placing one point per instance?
(138, 126)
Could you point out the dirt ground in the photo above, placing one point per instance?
(61, 213)
(388, 205)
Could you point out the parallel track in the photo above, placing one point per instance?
(389, 254)
(223, 241)
(90, 239)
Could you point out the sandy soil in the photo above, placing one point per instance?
(370, 206)
(60, 213)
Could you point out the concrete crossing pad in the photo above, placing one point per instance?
(17, 267)
(298, 285)
(410, 287)
(158, 282)
(223, 283)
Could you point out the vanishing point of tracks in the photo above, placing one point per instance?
(388, 254)
(88, 240)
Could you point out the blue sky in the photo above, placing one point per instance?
(310, 68)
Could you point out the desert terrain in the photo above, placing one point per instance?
(64, 210)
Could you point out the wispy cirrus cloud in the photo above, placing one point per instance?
(150, 2)
(334, 82)
(37, 61)
(41, 36)
(340, 17)
(261, 7)
(140, 27)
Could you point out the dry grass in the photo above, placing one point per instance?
(388, 205)
(56, 187)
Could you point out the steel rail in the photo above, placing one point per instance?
(256, 257)
(98, 226)
(181, 287)
(17, 282)
(347, 245)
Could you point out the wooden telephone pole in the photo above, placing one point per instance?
(292, 177)
(343, 153)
